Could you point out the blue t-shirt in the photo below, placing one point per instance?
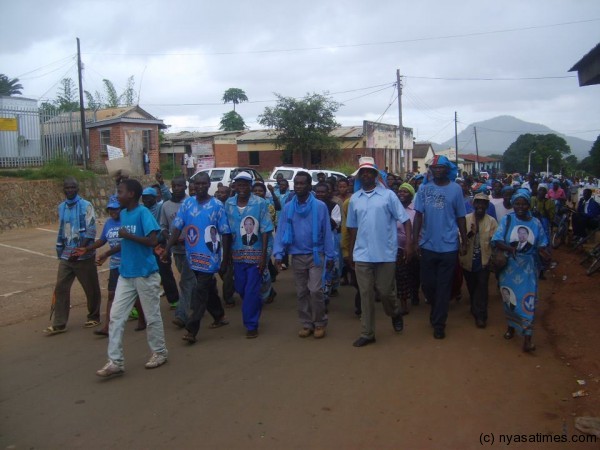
(440, 206)
(375, 216)
(204, 225)
(138, 260)
(247, 227)
(110, 234)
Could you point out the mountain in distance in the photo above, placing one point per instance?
(495, 135)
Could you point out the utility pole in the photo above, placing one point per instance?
(476, 151)
(84, 143)
(400, 127)
(456, 136)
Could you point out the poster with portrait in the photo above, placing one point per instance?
(212, 239)
(508, 297)
(248, 230)
(522, 238)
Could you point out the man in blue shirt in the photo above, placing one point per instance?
(197, 217)
(304, 231)
(440, 217)
(372, 215)
(251, 229)
(138, 278)
(77, 228)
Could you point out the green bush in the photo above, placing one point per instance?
(170, 170)
(57, 168)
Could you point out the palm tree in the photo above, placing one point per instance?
(9, 87)
(235, 96)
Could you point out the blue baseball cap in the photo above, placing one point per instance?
(150, 191)
(113, 203)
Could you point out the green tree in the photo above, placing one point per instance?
(235, 96)
(591, 163)
(66, 99)
(303, 125)
(516, 156)
(9, 87)
(110, 98)
(232, 121)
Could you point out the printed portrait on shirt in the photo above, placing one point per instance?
(212, 239)
(249, 230)
(522, 238)
(508, 296)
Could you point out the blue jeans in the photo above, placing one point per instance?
(247, 282)
(128, 289)
(187, 284)
(437, 271)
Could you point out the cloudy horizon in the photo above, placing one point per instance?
(481, 60)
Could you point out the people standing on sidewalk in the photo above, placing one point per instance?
(251, 227)
(372, 216)
(475, 262)
(76, 228)
(138, 277)
(439, 219)
(304, 232)
(200, 217)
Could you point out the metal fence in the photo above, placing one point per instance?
(40, 136)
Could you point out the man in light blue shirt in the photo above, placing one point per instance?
(372, 215)
(439, 218)
(304, 231)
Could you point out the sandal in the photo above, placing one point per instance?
(528, 348)
(91, 324)
(51, 331)
(140, 328)
(219, 323)
(189, 337)
(101, 332)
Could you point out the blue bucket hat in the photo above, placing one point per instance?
(113, 203)
(150, 191)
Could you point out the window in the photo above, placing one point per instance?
(287, 157)
(104, 140)
(315, 156)
(254, 158)
(146, 139)
(287, 174)
(217, 175)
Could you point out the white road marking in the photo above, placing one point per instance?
(45, 229)
(27, 251)
(8, 294)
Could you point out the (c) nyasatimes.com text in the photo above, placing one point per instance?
(546, 438)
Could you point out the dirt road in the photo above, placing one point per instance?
(278, 391)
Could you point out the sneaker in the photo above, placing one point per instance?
(173, 306)
(251, 334)
(305, 332)
(110, 369)
(319, 332)
(155, 361)
(133, 315)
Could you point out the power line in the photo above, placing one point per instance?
(365, 44)
(494, 79)
(46, 65)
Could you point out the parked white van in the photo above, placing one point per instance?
(226, 175)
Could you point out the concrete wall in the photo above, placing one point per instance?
(34, 203)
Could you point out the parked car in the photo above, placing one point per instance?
(225, 175)
(328, 173)
(288, 174)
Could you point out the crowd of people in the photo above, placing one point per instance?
(387, 237)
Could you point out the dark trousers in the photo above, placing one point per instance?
(87, 275)
(477, 284)
(437, 272)
(581, 222)
(168, 280)
(206, 297)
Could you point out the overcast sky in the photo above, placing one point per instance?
(184, 54)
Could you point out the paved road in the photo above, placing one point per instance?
(277, 391)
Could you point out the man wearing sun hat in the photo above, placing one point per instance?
(440, 217)
(372, 215)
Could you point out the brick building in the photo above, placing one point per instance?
(131, 129)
